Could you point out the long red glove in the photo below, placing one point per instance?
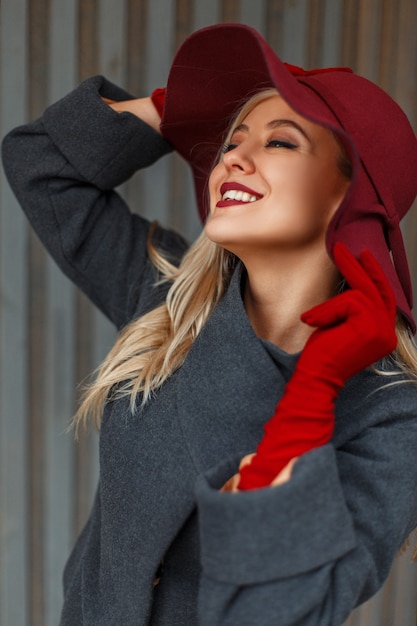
(354, 329)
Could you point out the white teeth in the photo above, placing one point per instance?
(243, 196)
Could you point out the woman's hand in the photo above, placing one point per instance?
(232, 485)
(143, 108)
(355, 328)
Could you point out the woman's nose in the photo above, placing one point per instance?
(239, 158)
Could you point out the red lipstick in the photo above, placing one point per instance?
(239, 187)
(236, 187)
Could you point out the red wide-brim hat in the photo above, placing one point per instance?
(219, 67)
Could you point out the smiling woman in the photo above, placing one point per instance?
(256, 467)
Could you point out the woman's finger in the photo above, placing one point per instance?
(376, 274)
(334, 311)
(353, 271)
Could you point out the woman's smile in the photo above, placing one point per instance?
(236, 193)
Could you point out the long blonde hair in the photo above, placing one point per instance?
(153, 346)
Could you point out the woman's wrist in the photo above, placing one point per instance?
(143, 108)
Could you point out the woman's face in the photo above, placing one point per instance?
(277, 185)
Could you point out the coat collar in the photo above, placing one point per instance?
(229, 384)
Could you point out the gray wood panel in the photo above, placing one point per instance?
(14, 544)
(60, 313)
(50, 336)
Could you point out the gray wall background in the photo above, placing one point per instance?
(50, 337)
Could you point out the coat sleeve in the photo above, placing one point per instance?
(308, 552)
(64, 167)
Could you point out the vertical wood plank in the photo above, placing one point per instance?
(136, 46)
(293, 45)
(88, 64)
(182, 211)
(112, 52)
(388, 44)
(229, 11)
(369, 39)
(137, 17)
(331, 47)
(349, 30)
(316, 23)
(404, 65)
(206, 13)
(404, 607)
(14, 534)
(254, 14)
(60, 349)
(404, 89)
(184, 19)
(160, 28)
(274, 25)
(38, 15)
(87, 38)
(112, 39)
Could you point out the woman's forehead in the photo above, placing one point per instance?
(273, 112)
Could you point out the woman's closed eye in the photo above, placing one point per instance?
(280, 143)
(272, 143)
(228, 146)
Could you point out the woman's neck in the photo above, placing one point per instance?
(276, 294)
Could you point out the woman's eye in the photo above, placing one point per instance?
(228, 146)
(272, 143)
(279, 143)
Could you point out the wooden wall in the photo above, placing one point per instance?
(50, 337)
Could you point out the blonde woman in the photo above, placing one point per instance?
(257, 413)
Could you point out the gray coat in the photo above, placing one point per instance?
(304, 553)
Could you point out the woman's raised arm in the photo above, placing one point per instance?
(63, 169)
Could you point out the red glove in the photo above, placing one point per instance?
(158, 100)
(354, 329)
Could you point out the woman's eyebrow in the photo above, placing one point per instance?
(241, 127)
(276, 124)
(283, 122)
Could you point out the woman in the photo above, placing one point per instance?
(308, 526)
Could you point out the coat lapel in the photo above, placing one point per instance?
(228, 386)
